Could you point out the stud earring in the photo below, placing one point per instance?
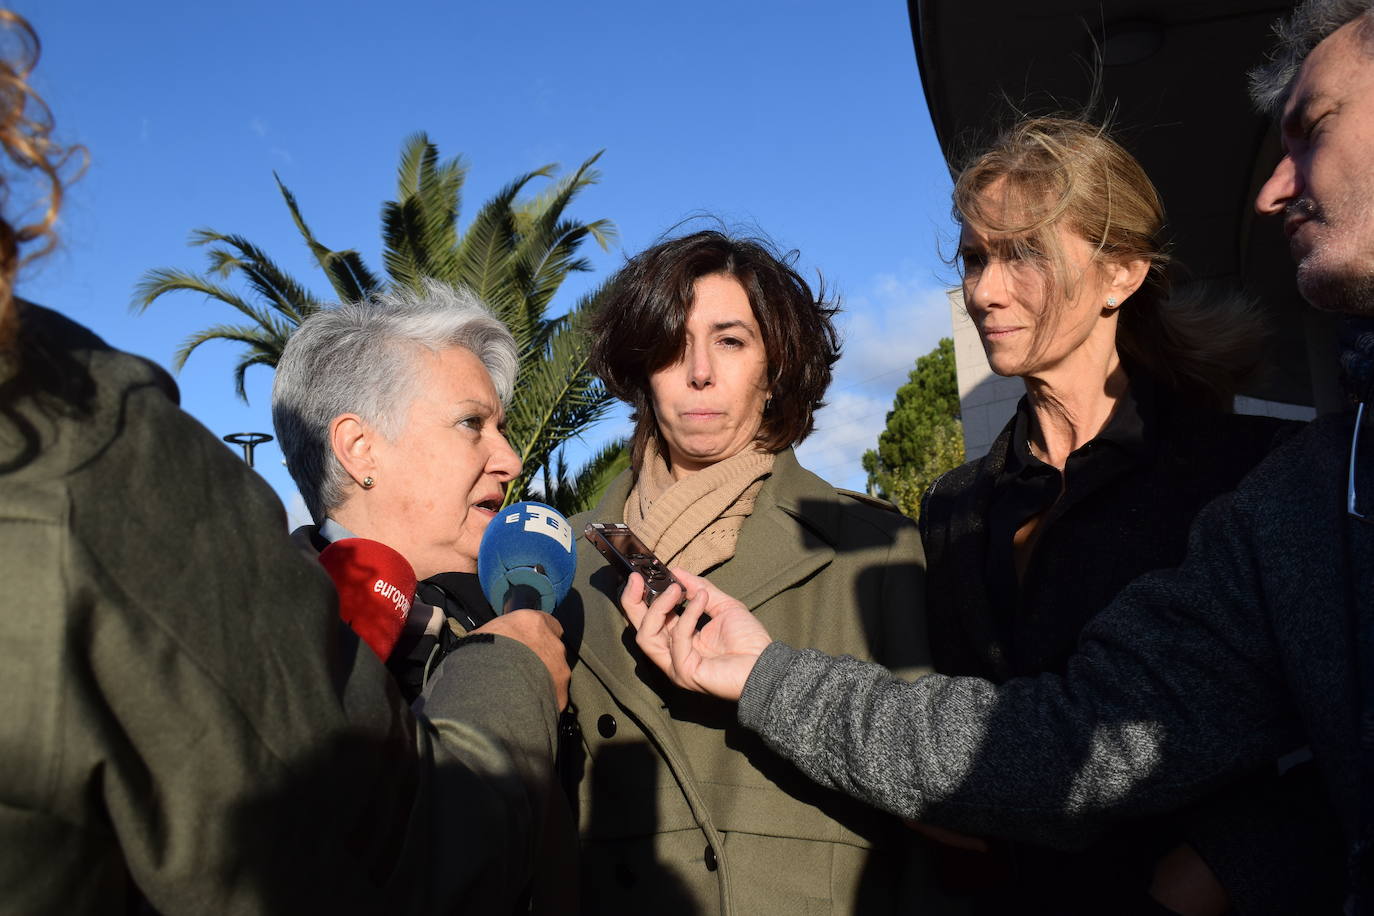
(367, 483)
(1111, 302)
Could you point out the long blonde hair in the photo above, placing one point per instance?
(26, 128)
(1056, 171)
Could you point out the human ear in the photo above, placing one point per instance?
(1125, 277)
(351, 441)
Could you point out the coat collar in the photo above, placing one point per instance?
(789, 536)
(791, 533)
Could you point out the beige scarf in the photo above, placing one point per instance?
(694, 522)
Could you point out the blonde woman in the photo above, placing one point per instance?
(1124, 434)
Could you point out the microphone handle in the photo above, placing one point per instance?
(522, 597)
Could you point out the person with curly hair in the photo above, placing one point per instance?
(188, 727)
(1124, 434)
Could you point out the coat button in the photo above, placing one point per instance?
(606, 725)
(710, 856)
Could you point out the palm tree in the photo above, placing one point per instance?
(515, 254)
(583, 490)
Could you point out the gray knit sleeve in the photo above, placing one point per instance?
(848, 724)
(1174, 687)
(763, 680)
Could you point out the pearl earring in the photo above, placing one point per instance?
(367, 483)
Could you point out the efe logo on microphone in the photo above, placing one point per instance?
(544, 521)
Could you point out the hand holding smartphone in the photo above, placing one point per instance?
(626, 552)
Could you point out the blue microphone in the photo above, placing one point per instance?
(526, 559)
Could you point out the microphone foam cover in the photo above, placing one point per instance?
(528, 543)
(376, 586)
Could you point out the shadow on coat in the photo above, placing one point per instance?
(366, 824)
(618, 863)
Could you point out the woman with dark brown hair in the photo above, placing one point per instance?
(1124, 434)
(724, 353)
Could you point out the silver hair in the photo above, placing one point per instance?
(359, 357)
(1310, 23)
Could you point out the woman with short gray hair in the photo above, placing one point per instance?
(364, 359)
(391, 413)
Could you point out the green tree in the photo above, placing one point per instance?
(923, 438)
(514, 254)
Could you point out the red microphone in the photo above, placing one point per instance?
(375, 585)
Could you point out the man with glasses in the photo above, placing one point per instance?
(1262, 641)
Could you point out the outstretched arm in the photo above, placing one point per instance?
(1174, 688)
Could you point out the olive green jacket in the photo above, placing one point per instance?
(682, 810)
(182, 714)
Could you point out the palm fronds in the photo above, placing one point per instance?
(485, 261)
(556, 395)
(282, 291)
(582, 491)
(514, 255)
(350, 277)
(420, 227)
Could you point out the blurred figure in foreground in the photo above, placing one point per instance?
(186, 721)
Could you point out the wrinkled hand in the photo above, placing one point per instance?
(715, 659)
(541, 633)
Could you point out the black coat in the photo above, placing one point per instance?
(1255, 644)
(1266, 839)
(1090, 545)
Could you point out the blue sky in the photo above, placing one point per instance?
(801, 119)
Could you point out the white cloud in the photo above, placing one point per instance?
(893, 320)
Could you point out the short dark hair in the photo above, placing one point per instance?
(640, 328)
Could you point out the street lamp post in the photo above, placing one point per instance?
(248, 441)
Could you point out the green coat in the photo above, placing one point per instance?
(181, 709)
(684, 811)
